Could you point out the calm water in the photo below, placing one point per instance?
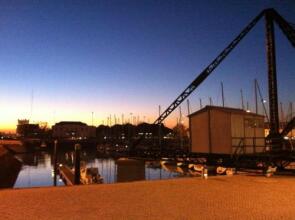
(36, 170)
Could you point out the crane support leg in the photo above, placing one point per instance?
(272, 79)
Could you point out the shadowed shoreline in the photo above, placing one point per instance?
(9, 169)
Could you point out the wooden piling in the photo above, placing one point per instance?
(77, 164)
(55, 162)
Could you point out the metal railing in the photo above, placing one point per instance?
(248, 145)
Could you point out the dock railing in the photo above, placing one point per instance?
(248, 145)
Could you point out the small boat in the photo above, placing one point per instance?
(270, 171)
(199, 167)
(170, 167)
(167, 161)
(90, 175)
(191, 166)
(230, 171)
(180, 170)
(225, 171)
(194, 173)
(221, 170)
(180, 164)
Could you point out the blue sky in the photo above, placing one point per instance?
(118, 57)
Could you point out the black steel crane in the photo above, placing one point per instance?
(271, 16)
(207, 71)
(290, 125)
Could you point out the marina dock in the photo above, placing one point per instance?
(67, 175)
(237, 197)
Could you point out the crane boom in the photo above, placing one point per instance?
(271, 16)
(208, 70)
(288, 127)
(286, 27)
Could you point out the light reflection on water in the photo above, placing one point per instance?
(37, 169)
(37, 174)
(112, 172)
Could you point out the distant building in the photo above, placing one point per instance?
(27, 130)
(23, 121)
(220, 130)
(73, 130)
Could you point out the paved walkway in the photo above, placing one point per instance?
(237, 197)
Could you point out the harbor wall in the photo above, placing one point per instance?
(14, 146)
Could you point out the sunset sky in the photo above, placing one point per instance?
(121, 57)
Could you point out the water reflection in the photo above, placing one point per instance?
(37, 173)
(29, 159)
(37, 169)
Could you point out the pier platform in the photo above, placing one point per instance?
(236, 197)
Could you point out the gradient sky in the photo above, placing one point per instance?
(121, 57)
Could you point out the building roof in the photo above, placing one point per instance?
(71, 123)
(224, 109)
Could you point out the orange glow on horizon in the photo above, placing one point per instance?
(47, 112)
(10, 125)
